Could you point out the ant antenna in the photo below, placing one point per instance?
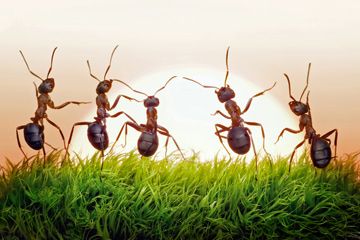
(117, 80)
(205, 86)
(227, 66)
(287, 77)
(108, 68)
(164, 85)
(51, 63)
(27, 65)
(307, 82)
(88, 63)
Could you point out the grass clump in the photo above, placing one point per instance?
(139, 198)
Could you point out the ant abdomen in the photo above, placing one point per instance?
(98, 136)
(239, 140)
(320, 152)
(148, 143)
(34, 135)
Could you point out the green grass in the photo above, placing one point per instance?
(139, 198)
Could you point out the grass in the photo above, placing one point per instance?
(139, 198)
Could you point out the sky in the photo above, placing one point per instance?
(267, 38)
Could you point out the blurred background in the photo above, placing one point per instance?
(267, 38)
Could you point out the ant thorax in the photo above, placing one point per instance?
(151, 115)
(234, 111)
(102, 101)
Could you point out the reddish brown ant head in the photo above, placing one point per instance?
(104, 86)
(47, 86)
(225, 94)
(298, 108)
(151, 101)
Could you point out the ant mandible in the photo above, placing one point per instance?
(239, 137)
(320, 152)
(148, 141)
(34, 132)
(96, 132)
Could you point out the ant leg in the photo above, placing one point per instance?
(222, 114)
(119, 113)
(217, 133)
(51, 146)
(289, 130)
(118, 99)
(56, 126)
(18, 140)
(255, 154)
(262, 132)
(165, 132)
(71, 133)
(102, 160)
(131, 124)
(293, 153)
(43, 148)
(256, 95)
(335, 141)
(166, 144)
(51, 104)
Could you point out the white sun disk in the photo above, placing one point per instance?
(185, 110)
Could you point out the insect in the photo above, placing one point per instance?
(96, 132)
(148, 141)
(320, 152)
(34, 131)
(239, 137)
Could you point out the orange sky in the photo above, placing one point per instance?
(266, 39)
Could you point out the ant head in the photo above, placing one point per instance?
(151, 101)
(298, 108)
(225, 93)
(47, 86)
(104, 86)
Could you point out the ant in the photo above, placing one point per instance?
(34, 131)
(320, 152)
(96, 132)
(148, 141)
(239, 137)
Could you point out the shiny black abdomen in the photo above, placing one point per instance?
(239, 140)
(320, 152)
(98, 136)
(148, 143)
(34, 135)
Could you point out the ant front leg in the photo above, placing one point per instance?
(326, 135)
(52, 105)
(256, 95)
(165, 132)
(293, 153)
(222, 114)
(118, 99)
(56, 126)
(18, 139)
(255, 154)
(131, 124)
(119, 113)
(217, 133)
(289, 130)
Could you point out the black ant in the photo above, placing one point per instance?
(148, 141)
(320, 145)
(34, 132)
(96, 132)
(239, 137)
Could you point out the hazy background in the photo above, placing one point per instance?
(267, 38)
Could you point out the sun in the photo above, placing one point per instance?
(185, 110)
